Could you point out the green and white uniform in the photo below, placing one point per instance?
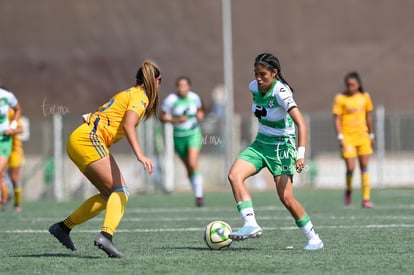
(7, 100)
(186, 134)
(274, 146)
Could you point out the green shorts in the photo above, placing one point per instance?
(279, 158)
(182, 144)
(5, 145)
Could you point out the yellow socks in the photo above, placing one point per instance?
(18, 196)
(89, 209)
(366, 188)
(115, 208)
(349, 175)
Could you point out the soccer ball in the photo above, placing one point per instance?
(216, 235)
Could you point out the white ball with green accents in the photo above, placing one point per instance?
(216, 235)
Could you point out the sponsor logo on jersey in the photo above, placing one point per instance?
(260, 111)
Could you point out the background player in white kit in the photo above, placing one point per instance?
(7, 129)
(274, 148)
(184, 110)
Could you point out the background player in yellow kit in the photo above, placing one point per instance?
(88, 147)
(15, 163)
(353, 123)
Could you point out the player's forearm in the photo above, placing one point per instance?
(369, 122)
(302, 134)
(301, 126)
(200, 114)
(338, 127)
(133, 140)
(168, 119)
(17, 112)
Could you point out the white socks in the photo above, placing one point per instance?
(309, 232)
(197, 184)
(247, 213)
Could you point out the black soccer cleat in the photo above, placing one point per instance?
(200, 202)
(107, 246)
(62, 236)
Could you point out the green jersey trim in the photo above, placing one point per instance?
(274, 140)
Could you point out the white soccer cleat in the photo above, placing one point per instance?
(314, 244)
(246, 232)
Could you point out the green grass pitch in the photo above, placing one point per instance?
(163, 234)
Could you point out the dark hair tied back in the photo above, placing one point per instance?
(354, 75)
(271, 62)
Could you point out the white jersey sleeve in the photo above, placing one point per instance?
(284, 96)
(11, 99)
(196, 99)
(168, 103)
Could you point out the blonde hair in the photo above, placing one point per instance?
(147, 76)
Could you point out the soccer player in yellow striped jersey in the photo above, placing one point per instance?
(274, 149)
(184, 109)
(352, 111)
(16, 160)
(88, 147)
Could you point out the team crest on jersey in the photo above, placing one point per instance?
(144, 104)
(271, 103)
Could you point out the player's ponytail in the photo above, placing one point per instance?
(355, 75)
(148, 75)
(271, 62)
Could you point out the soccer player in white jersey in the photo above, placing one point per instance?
(274, 149)
(7, 130)
(184, 110)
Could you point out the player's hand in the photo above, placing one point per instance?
(147, 163)
(9, 132)
(372, 142)
(300, 164)
(182, 119)
(341, 143)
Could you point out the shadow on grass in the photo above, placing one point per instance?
(55, 255)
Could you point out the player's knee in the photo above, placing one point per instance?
(192, 167)
(233, 177)
(287, 200)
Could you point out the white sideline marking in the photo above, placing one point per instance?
(193, 229)
(198, 210)
(235, 218)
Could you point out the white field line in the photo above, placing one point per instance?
(235, 218)
(194, 229)
(260, 209)
(200, 210)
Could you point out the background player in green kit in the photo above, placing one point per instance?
(274, 148)
(184, 110)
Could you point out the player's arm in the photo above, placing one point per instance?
(130, 121)
(368, 117)
(300, 123)
(200, 113)
(14, 126)
(166, 118)
(18, 130)
(338, 128)
(17, 112)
